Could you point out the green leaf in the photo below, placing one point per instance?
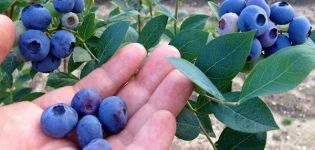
(111, 40)
(131, 36)
(310, 43)
(205, 122)
(123, 16)
(313, 36)
(73, 65)
(234, 140)
(190, 43)
(161, 9)
(197, 22)
(224, 57)
(215, 9)
(87, 29)
(196, 76)
(251, 116)
(61, 79)
(11, 63)
(5, 5)
(7, 81)
(32, 96)
(89, 67)
(187, 127)
(280, 72)
(203, 105)
(152, 31)
(19, 93)
(81, 55)
(114, 12)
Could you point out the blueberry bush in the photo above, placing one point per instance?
(276, 52)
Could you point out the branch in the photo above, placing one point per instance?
(222, 102)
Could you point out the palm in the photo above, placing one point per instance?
(153, 97)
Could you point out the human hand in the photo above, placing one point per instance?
(7, 36)
(154, 97)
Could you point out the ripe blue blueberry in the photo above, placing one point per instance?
(36, 17)
(88, 129)
(228, 23)
(261, 3)
(270, 36)
(299, 30)
(113, 114)
(255, 51)
(58, 120)
(64, 6)
(86, 101)
(70, 20)
(62, 43)
(253, 18)
(78, 6)
(282, 13)
(235, 6)
(47, 65)
(282, 42)
(34, 45)
(98, 144)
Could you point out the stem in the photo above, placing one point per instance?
(176, 16)
(208, 137)
(12, 10)
(87, 48)
(222, 102)
(139, 16)
(65, 66)
(151, 9)
(201, 127)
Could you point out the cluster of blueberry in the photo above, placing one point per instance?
(89, 114)
(44, 52)
(247, 15)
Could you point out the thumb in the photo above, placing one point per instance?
(7, 32)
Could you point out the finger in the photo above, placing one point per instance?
(7, 38)
(156, 68)
(171, 95)
(159, 131)
(22, 130)
(106, 79)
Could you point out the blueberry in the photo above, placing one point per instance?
(64, 6)
(282, 13)
(88, 129)
(98, 144)
(255, 51)
(36, 17)
(270, 36)
(58, 120)
(228, 23)
(78, 6)
(34, 45)
(299, 30)
(235, 6)
(70, 20)
(62, 43)
(86, 102)
(113, 114)
(20, 29)
(253, 18)
(47, 65)
(261, 3)
(282, 42)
